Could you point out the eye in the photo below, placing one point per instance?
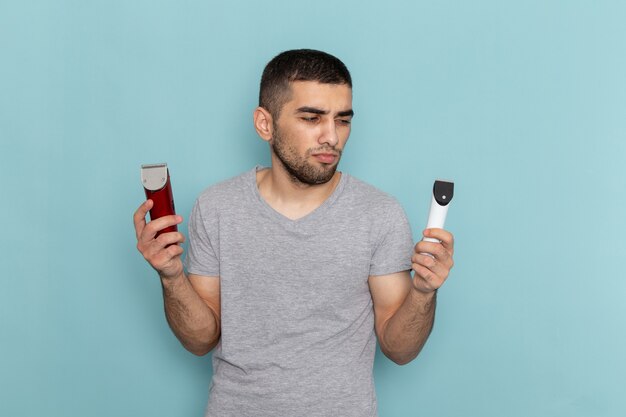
(311, 119)
(344, 122)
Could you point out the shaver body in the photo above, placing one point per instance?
(443, 192)
(158, 188)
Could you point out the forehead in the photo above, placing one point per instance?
(319, 95)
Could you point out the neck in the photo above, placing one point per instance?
(290, 197)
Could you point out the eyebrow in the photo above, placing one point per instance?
(315, 110)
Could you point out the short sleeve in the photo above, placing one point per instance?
(394, 245)
(202, 256)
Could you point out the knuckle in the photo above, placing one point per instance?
(141, 248)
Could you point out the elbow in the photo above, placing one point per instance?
(200, 349)
(401, 359)
(199, 353)
(402, 355)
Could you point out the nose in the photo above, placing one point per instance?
(329, 135)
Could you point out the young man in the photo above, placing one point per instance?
(294, 270)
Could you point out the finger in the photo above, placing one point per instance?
(153, 227)
(425, 279)
(165, 259)
(157, 251)
(159, 254)
(174, 251)
(424, 260)
(170, 238)
(446, 238)
(441, 269)
(436, 249)
(139, 217)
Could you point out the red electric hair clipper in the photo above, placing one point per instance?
(156, 184)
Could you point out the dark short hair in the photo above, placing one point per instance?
(298, 65)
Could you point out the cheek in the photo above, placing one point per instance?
(344, 134)
(306, 137)
(299, 142)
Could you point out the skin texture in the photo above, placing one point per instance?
(306, 143)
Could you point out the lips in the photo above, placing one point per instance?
(326, 158)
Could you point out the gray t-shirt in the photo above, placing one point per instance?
(297, 320)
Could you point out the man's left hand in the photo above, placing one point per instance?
(432, 271)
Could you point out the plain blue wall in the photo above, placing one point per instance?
(522, 103)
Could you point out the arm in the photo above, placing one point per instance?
(192, 303)
(192, 309)
(405, 309)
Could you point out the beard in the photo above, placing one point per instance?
(298, 167)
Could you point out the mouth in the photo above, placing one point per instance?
(326, 157)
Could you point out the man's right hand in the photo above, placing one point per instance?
(162, 252)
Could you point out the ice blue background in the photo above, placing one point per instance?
(522, 103)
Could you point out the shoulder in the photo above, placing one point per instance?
(226, 191)
(384, 219)
(368, 197)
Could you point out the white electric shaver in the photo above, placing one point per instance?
(442, 196)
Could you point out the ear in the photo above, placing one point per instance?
(263, 123)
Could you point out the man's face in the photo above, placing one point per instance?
(312, 130)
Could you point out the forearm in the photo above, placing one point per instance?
(406, 332)
(190, 318)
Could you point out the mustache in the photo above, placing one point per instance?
(325, 148)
